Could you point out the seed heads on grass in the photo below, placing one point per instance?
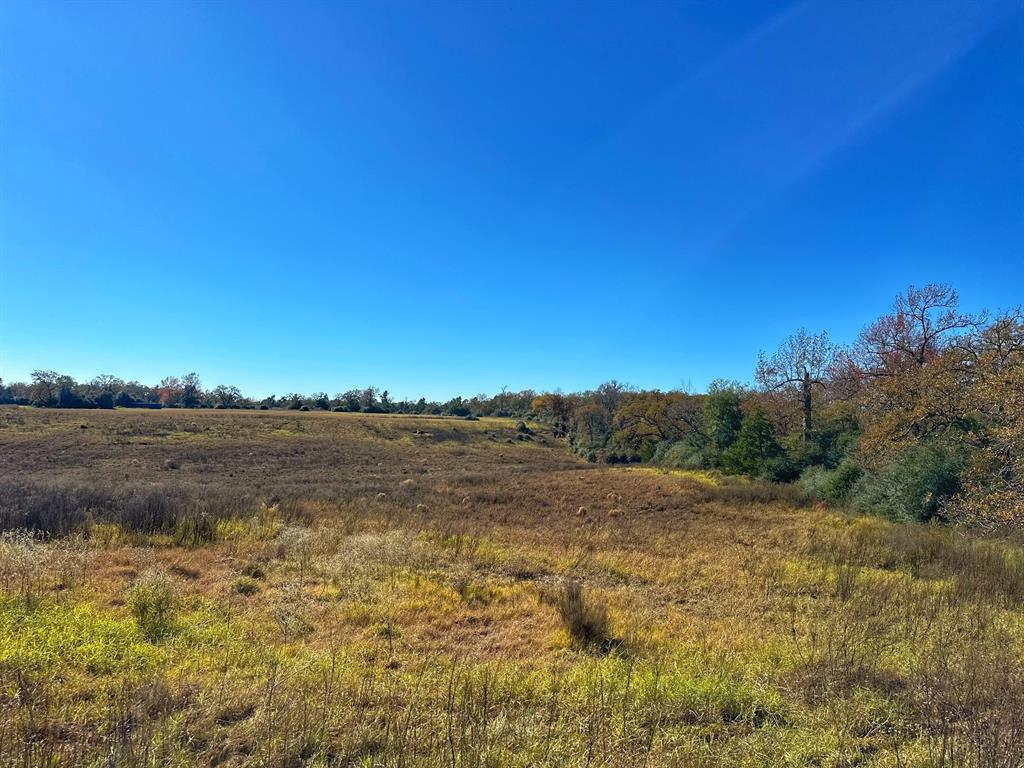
(69, 561)
(291, 611)
(20, 563)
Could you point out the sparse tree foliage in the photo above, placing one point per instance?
(800, 365)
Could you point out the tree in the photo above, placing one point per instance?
(170, 391)
(191, 390)
(349, 401)
(611, 394)
(993, 493)
(590, 428)
(658, 416)
(918, 328)
(42, 390)
(69, 398)
(46, 387)
(368, 400)
(911, 371)
(105, 382)
(556, 409)
(723, 415)
(226, 396)
(456, 407)
(141, 393)
(800, 364)
(755, 452)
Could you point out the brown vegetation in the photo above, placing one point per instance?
(343, 589)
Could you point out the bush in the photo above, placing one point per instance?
(195, 529)
(830, 485)
(914, 486)
(757, 452)
(105, 400)
(68, 398)
(842, 481)
(682, 455)
(585, 620)
(254, 571)
(647, 449)
(153, 601)
(245, 585)
(60, 509)
(813, 481)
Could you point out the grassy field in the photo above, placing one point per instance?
(286, 589)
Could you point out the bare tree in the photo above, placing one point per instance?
(801, 363)
(611, 394)
(917, 329)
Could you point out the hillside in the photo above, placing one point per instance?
(266, 588)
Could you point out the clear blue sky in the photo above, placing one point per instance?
(446, 198)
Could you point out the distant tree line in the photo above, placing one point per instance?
(49, 389)
(921, 416)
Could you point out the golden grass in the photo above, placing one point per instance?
(389, 597)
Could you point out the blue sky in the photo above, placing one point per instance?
(448, 198)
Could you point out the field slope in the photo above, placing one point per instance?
(288, 588)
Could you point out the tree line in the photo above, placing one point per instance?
(50, 389)
(922, 416)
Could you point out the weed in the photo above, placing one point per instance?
(584, 618)
(153, 601)
(245, 585)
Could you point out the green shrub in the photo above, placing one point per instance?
(757, 452)
(153, 601)
(681, 455)
(841, 482)
(254, 571)
(723, 415)
(814, 480)
(245, 585)
(647, 449)
(830, 485)
(914, 486)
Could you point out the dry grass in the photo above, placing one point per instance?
(210, 588)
